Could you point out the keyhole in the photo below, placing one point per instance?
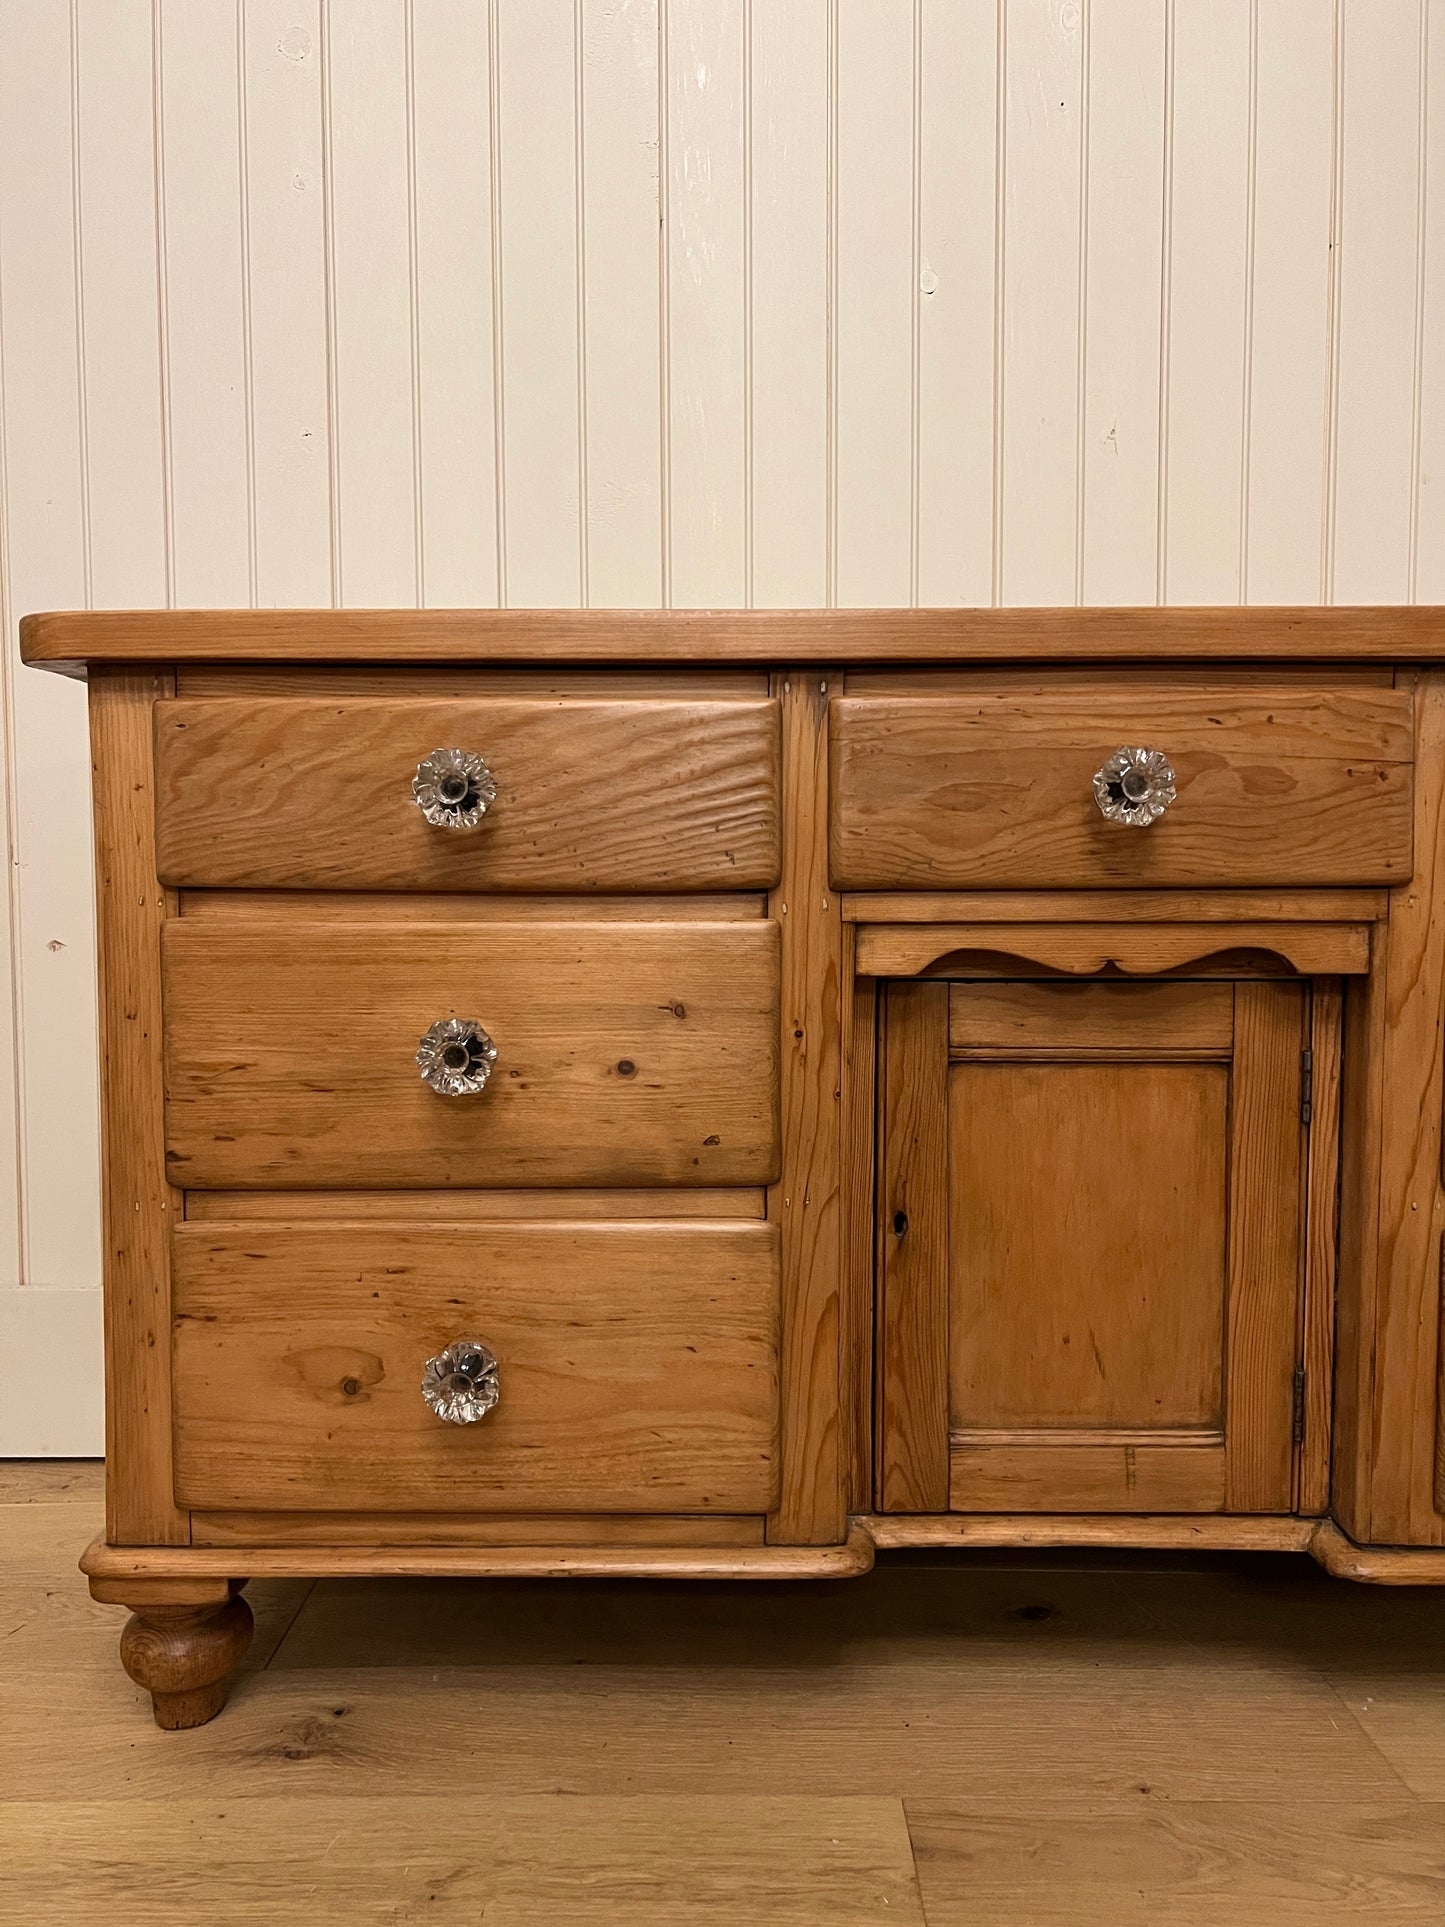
(900, 1223)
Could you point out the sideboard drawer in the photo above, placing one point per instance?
(636, 1366)
(1277, 786)
(626, 1054)
(312, 793)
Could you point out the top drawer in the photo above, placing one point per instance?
(316, 793)
(1274, 787)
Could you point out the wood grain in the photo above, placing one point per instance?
(913, 1245)
(388, 636)
(1266, 1177)
(859, 1121)
(1275, 786)
(1227, 950)
(463, 1207)
(1136, 1020)
(479, 678)
(1117, 1292)
(806, 1201)
(1322, 1234)
(1086, 678)
(539, 1860)
(1362, 1127)
(138, 1202)
(1166, 1532)
(1087, 1248)
(1343, 1558)
(1225, 1863)
(1391, 1331)
(315, 794)
(1103, 906)
(638, 1366)
(848, 1560)
(372, 906)
(629, 1054)
(1035, 1476)
(587, 1530)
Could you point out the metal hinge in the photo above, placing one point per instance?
(1306, 1086)
(1299, 1404)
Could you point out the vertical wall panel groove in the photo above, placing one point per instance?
(1429, 505)
(1121, 301)
(537, 135)
(454, 301)
(957, 209)
(1290, 273)
(1209, 190)
(1043, 83)
(788, 334)
(1379, 266)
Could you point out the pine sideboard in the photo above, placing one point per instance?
(717, 1094)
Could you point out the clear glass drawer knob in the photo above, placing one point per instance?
(1135, 786)
(456, 1057)
(460, 1384)
(454, 789)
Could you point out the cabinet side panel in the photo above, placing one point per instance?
(1361, 1135)
(1402, 1431)
(138, 1204)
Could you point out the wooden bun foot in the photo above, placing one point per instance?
(182, 1656)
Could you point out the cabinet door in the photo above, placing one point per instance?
(1091, 1240)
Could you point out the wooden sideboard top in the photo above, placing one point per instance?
(836, 636)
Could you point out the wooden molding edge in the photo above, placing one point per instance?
(1145, 1532)
(141, 1575)
(117, 1572)
(1343, 1558)
(1161, 636)
(1082, 949)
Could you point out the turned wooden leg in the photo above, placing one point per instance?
(183, 1654)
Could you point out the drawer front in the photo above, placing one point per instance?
(1274, 787)
(636, 1366)
(627, 1054)
(316, 794)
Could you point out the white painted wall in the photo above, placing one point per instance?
(683, 301)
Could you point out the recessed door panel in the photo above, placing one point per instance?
(1066, 1315)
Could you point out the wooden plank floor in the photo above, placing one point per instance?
(1018, 1741)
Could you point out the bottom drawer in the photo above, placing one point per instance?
(637, 1366)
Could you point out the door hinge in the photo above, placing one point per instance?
(1299, 1404)
(1306, 1086)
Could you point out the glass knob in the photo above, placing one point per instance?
(460, 1384)
(456, 1057)
(1135, 786)
(454, 789)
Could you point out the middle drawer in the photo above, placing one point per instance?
(626, 1054)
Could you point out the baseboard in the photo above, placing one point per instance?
(52, 1373)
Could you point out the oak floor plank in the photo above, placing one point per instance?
(1080, 1739)
(1189, 1863)
(1401, 1710)
(530, 1862)
(982, 1686)
(36, 1481)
